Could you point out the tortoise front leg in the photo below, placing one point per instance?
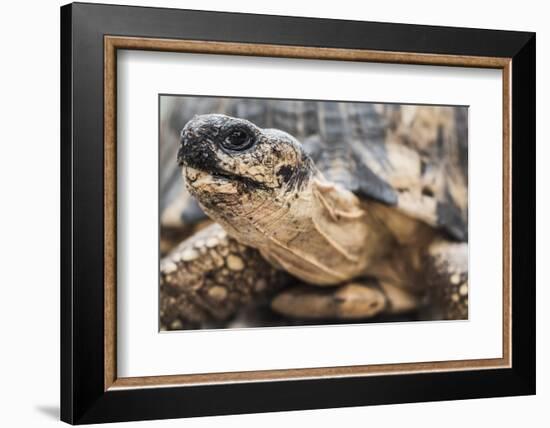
(359, 299)
(209, 276)
(447, 277)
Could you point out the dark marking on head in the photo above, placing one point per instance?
(294, 177)
(302, 175)
(286, 172)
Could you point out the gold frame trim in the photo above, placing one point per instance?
(113, 43)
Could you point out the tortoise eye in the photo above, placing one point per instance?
(238, 140)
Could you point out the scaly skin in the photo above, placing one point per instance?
(447, 276)
(211, 275)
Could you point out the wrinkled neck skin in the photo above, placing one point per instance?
(319, 233)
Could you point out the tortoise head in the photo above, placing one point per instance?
(232, 166)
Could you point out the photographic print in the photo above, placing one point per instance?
(299, 212)
(326, 196)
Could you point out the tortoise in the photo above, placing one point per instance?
(333, 210)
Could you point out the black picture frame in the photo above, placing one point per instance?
(83, 396)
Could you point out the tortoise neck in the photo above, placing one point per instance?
(324, 236)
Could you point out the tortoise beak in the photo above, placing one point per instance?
(192, 140)
(197, 141)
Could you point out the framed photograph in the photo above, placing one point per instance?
(265, 213)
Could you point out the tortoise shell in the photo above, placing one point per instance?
(411, 157)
